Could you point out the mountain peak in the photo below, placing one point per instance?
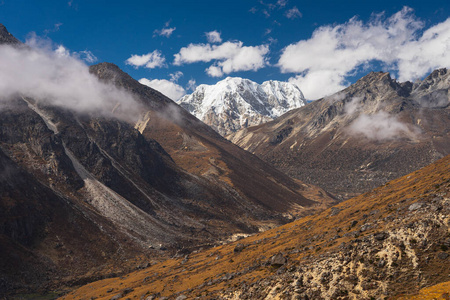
(111, 73)
(105, 68)
(376, 78)
(6, 37)
(438, 79)
(380, 83)
(234, 102)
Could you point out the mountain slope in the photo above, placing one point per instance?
(390, 241)
(88, 193)
(375, 130)
(201, 151)
(235, 103)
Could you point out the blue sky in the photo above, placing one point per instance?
(321, 45)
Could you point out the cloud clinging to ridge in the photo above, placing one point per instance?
(59, 78)
(169, 88)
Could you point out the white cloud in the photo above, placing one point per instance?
(166, 31)
(293, 13)
(214, 71)
(85, 55)
(381, 126)
(61, 51)
(168, 88)
(335, 52)
(267, 7)
(175, 76)
(150, 60)
(213, 37)
(430, 51)
(282, 3)
(228, 57)
(319, 83)
(191, 85)
(55, 77)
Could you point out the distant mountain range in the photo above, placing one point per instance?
(235, 103)
(373, 131)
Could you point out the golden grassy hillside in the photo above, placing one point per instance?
(390, 241)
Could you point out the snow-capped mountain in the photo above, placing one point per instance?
(235, 103)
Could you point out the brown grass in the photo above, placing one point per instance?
(172, 276)
(439, 292)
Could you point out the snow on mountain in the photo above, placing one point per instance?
(235, 103)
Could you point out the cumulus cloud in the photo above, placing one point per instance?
(318, 83)
(150, 60)
(213, 37)
(335, 52)
(293, 13)
(214, 71)
(430, 51)
(60, 79)
(168, 88)
(227, 57)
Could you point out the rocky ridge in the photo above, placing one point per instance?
(373, 131)
(6, 37)
(235, 103)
